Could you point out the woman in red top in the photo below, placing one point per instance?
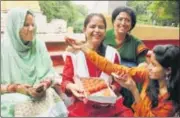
(77, 64)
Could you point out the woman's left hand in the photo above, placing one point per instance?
(125, 81)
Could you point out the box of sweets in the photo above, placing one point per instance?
(97, 90)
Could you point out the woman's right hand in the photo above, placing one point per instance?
(78, 45)
(76, 90)
(73, 43)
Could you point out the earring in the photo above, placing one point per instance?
(167, 76)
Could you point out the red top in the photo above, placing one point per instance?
(68, 72)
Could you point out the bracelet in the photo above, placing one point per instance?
(11, 88)
(21, 90)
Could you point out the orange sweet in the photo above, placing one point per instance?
(92, 85)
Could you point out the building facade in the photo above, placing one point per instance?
(56, 26)
(106, 7)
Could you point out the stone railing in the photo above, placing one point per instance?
(56, 46)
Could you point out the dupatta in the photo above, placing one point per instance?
(20, 63)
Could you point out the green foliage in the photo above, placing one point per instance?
(78, 26)
(82, 13)
(143, 15)
(163, 13)
(143, 19)
(139, 6)
(63, 10)
(82, 9)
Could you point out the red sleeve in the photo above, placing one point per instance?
(122, 110)
(116, 61)
(68, 73)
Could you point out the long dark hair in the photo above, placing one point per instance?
(167, 56)
(153, 92)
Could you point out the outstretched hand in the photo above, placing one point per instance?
(79, 45)
(124, 80)
(73, 43)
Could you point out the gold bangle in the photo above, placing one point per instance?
(13, 89)
(21, 90)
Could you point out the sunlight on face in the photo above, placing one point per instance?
(156, 71)
(122, 23)
(95, 30)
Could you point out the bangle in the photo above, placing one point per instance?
(22, 90)
(12, 88)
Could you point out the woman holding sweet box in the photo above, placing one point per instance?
(76, 64)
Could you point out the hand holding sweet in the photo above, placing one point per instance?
(78, 45)
(125, 81)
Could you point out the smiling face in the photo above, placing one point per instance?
(122, 23)
(27, 31)
(156, 71)
(95, 30)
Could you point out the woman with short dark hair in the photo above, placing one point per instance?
(128, 11)
(131, 49)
